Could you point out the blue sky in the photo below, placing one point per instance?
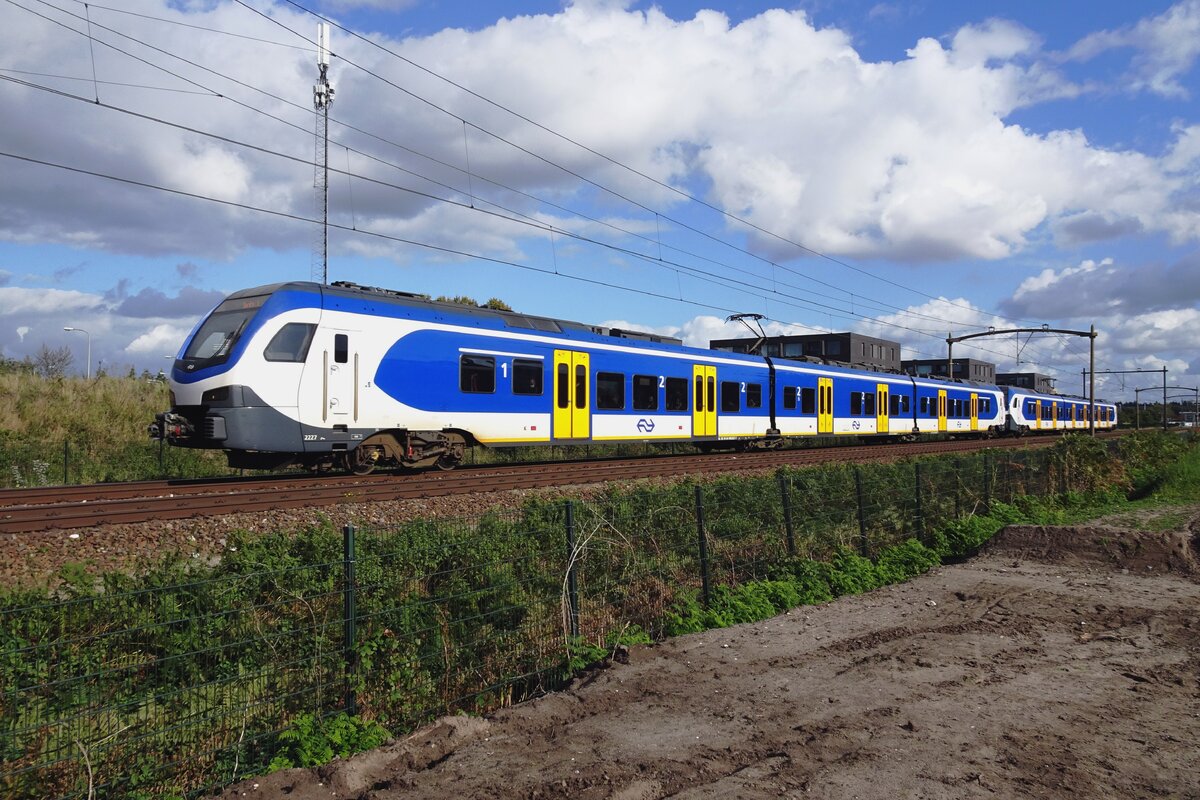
(901, 169)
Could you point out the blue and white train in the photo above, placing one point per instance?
(356, 377)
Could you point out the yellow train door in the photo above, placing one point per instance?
(572, 404)
(941, 410)
(974, 411)
(1054, 415)
(881, 408)
(824, 405)
(1037, 410)
(704, 400)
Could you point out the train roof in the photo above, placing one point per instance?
(510, 319)
(533, 322)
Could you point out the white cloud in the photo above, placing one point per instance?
(1185, 152)
(994, 40)
(161, 339)
(1166, 47)
(787, 124)
(120, 331)
(15, 300)
(1103, 288)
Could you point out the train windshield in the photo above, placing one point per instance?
(220, 332)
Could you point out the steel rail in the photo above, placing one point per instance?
(59, 508)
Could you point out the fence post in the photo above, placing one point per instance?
(572, 586)
(1006, 478)
(704, 587)
(1047, 484)
(66, 459)
(987, 483)
(957, 489)
(787, 513)
(920, 516)
(349, 656)
(863, 547)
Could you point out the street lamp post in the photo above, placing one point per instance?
(89, 355)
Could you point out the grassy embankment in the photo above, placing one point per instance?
(98, 426)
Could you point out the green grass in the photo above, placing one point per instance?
(71, 430)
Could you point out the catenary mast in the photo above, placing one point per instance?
(322, 99)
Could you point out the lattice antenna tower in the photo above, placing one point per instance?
(322, 99)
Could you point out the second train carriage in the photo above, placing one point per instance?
(1031, 412)
(356, 377)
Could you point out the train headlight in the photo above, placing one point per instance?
(218, 395)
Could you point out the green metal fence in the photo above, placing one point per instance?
(164, 685)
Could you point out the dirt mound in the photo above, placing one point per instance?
(374, 770)
(1102, 546)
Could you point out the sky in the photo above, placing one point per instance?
(906, 170)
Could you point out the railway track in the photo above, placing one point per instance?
(65, 507)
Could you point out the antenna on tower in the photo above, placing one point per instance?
(322, 99)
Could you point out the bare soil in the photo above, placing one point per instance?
(1059, 663)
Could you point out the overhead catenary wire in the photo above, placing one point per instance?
(719, 280)
(658, 238)
(588, 149)
(432, 197)
(470, 193)
(616, 162)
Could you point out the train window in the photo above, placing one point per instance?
(712, 394)
(789, 397)
(677, 394)
(220, 332)
(610, 390)
(895, 405)
(341, 348)
(527, 377)
(645, 392)
(581, 390)
(753, 395)
(808, 401)
(291, 343)
(477, 374)
(564, 386)
(862, 403)
(924, 406)
(699, 393)
(1028, 408)
(731, 397)
(905, 404)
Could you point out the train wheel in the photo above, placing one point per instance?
(360, 460)
(447, 462)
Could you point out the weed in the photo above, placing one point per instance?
(311, 740)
